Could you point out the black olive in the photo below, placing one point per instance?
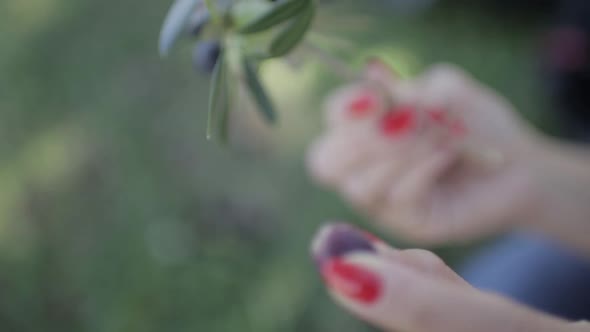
(338, 240)
(205, 55)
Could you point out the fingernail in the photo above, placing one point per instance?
(439, 116)
(336, 240)
(352, 281)
(398, 121)
(362, 105)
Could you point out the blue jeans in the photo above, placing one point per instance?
(534, 271)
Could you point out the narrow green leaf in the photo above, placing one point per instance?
(216, 93)
(226, 106)
(175, 22)
(287, 39)
(257, 90)
(278, 14)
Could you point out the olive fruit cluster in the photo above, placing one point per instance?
(233, 38)
(206, 52)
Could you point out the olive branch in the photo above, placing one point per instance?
(235, 37)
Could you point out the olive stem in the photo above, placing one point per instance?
(212, 8)
(338, 66)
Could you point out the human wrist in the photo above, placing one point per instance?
(561, 191)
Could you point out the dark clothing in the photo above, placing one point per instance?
(536, 272)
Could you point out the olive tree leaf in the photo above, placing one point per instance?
(257, 91)
(226, 108)
(175, 22)
(218, 91)
(288, 38)
(227, 102)
(278, 14)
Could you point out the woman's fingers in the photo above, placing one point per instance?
(334, 156)
(445, 85)
(355, 105)
(490, 202)
(423, 261)
(365, 189)
(406, 206)
(363, 103)
(346, 151)
(336, 240)
(411, 200)
(412, 290)
(382, 78)
(395, 297)
(388, 144)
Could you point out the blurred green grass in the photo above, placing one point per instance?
(117, 215)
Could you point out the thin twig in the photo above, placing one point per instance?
(338, 66)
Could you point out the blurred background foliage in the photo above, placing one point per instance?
(117, 215)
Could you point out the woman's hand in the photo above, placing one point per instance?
(413, 290)
(436, 158)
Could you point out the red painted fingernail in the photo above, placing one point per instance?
(337, 240)
(352, 281)
(439, 116)
(363, 105)
(398, 121)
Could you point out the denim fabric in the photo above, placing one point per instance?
(534, 271)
